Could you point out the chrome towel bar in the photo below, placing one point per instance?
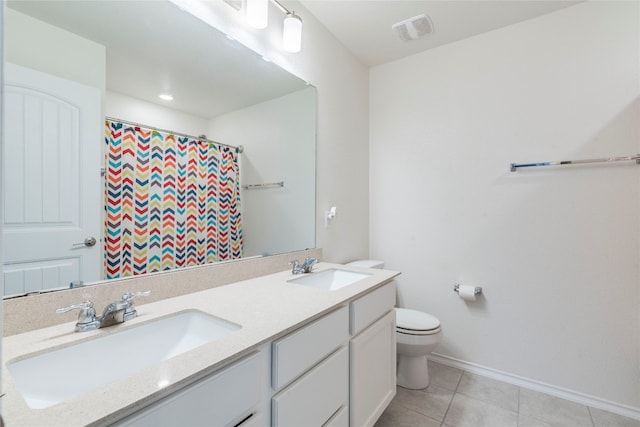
(264, 185)
(515, 166)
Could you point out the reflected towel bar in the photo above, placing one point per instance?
(265, 185)
(515, 166)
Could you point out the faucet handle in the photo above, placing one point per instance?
(87, 312)
(130, 312)
(297, 268)
(82, 305)
(309, 262)
(130, 295)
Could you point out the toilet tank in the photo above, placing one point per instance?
(367, 263)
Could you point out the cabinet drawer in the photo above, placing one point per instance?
(371, 307)
(223, 398)
(301, 350)
(314, 398)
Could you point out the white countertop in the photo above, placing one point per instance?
(266, 307)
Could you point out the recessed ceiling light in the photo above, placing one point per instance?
(166, 97)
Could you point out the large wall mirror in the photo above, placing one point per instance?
(75, 68)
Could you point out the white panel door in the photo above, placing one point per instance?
(53, 188)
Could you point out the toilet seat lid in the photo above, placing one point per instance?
(414, 320)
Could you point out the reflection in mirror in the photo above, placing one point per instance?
(68, 65)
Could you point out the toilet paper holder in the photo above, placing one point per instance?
(476, 291)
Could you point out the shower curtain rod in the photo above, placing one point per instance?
(238, 148)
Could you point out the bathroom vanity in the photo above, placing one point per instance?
(297, 354)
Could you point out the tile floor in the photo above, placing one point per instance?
(457, 398)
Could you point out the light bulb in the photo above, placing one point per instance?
(258, 13)
(292, 33)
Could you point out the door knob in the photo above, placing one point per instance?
(88, 242)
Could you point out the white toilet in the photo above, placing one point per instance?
(417, 335)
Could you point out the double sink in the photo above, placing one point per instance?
(62, 374)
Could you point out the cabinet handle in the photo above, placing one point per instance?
(245, 420)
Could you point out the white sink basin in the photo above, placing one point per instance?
(330, 280)
(59, 375)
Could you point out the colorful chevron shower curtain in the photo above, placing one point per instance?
(170, 201)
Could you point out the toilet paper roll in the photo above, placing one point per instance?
(467, 293)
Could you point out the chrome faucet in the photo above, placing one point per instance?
(116, 312)
(306, 267)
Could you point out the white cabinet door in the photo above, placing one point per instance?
(53, 190)
(372, 371)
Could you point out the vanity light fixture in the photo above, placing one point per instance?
(165, 96)
(257, 16)
(292, 33)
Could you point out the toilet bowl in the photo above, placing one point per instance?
(417, 335)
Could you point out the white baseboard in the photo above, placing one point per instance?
(574, 396)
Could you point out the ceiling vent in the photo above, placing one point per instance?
(413, 28)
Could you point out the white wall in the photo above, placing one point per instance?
(38, 45)
(278, 137)
(555, 249)
(124, 107)
(342, 141)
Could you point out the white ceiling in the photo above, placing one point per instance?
(364, 26)
(157, 48)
